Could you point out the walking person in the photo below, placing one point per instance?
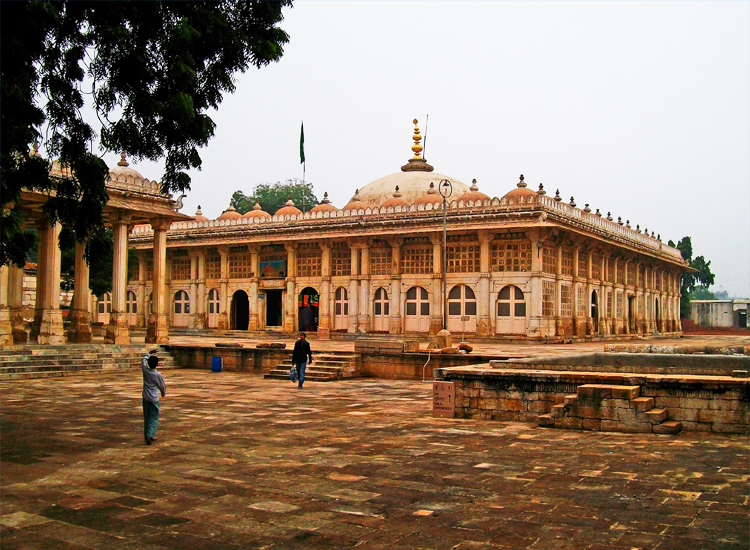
(300, 357)
(153, 385)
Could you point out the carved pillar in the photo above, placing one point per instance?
(290, 315)
(118, 331)
(559, 330)
(437, 299)
(157, 331)
(80, 316)
(365, 302)
(142, 315)
(484, 304)
(253, 321)
(353, 291)
(534, 306)
(394, 321)
(6, 328)
(41, 259)
(224, 299)
(15, 299)
(590, 328)
(50, 316)
(324, 306)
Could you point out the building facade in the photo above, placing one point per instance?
(525, 265)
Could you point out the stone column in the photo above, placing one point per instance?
(590, 329)
(353, 291)
(324, 309)
(80, 316)
(157, 331)
(534, 305)
(290, 316)
(141, 291)
(6, 328)
(365, 302)
(50, 316)
(559, 331)
(118, 331)
(224, 299)
(253, 321)
(41, 258)
(394, 321)
(198, 288)
(484, 303)
(437, 299)
(15, 302)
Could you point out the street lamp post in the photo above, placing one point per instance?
(446, 190)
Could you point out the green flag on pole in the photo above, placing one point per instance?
(302, 144)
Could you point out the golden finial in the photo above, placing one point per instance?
(122, 162)
(417, 147)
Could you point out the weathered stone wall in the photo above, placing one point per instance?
(235, 359)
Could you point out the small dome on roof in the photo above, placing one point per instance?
(229, 214)
(473, 194)
(199, 217)
(123, 170)
(355, 203)
(432, 196)
(520, 191)
(324, 206)
(396, 200)
(256, 212)
(288, 208)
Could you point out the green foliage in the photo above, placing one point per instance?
(155, 70)
(692, 284)
(272, 196)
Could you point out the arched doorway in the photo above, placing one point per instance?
(131, 307)
(341, 309)
(657, 316)
(240, 311)
(511, 311)
(381, 310)
(462, 309)
(181, 308)
(104, 308)
(417, 310)
(595, 311)
(631, 315)
(213, 308)
(308, 302)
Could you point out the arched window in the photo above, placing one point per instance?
(381, 310)
(213, 308)
(181, 308)
(462, 309)
(341, 309)
(511, 311)
(417, 310)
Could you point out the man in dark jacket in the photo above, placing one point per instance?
(300, 357)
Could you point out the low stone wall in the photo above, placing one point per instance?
(731, 349)
(237, 359)
(699, 403)
(415, 366)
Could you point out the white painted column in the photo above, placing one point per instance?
(118, 331)
(50, 325)
(353, 291)
(157, 331)
(365, 300)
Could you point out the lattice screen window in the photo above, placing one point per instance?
(180, 269)
(150, 269)
(610, 270)
(567, 261)
(381, 261)
(609, 303)
(566, 301)
(618, 305)
(583, 270)
(640, 276)
(341, 262)
(631, 275)
(639, 301)
(462, 258)
(581, 301)
(511, 256)
(213, 266)
(620, 272)
(309, 263)
(549, 260)
(647, 278)
(548, 298)
(240, 265)
(596, 266)
(417, 260)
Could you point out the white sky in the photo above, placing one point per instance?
(638, 108)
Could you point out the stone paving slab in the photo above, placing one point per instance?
(244, 462)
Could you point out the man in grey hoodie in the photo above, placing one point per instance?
(153, 385)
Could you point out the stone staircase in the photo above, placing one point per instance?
(610, 408)
(326, 367)
(35, 361)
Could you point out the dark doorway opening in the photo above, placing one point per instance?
(657, 315)
(307, 309)
(742, 319)
(595, 311)
(240, 313)
(631, 314)
(274, 315)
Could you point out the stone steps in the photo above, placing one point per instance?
(26, 362)
(610, 408)
(325, 368)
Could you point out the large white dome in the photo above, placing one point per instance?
(411, 185)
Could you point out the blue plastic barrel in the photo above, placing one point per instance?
(216, 364)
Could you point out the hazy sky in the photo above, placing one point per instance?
(638, 108)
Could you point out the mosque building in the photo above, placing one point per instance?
(525, 265)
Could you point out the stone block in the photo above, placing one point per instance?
(625, 392)
(570, 399)
(587, 411)
(594, 391)
(546, 421)
(449, 350)
(667, 402)
(656, 416)
(669, 427)
(618, 403)
(527, 417)
(463, 346)
(511, 405)
(538, 407)
(643, 404)
(739, 374)
(568, 422)
(386, 346)
(411, 346)
(592, 424)
(685, 415)
(722, 417)
(693, 403)
(731, 428)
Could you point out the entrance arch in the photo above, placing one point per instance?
(104, 308)
(131, 307)
(341, 309)
(511, 311)
(213, 308)
(239, 315)
(657, 316)
(462, 309)
(381, 310)
(595, 311)
(181, 308)
(308, 302)
(417, 310)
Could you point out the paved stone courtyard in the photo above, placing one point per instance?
(243, 462)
